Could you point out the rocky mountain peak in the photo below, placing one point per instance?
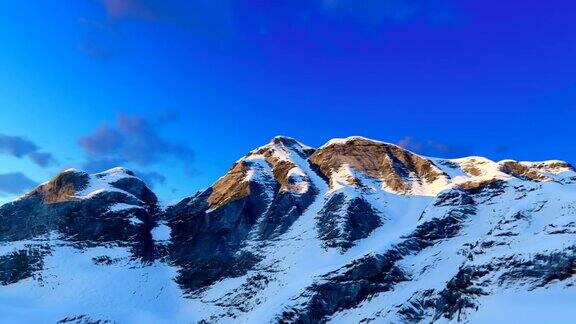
(77, 205)
(285, 144)
(398, 169)
(289, 142)
(72, 184)
(118, 172)
(277, 162)
(126, 180)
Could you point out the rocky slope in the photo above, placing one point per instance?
(354, 231)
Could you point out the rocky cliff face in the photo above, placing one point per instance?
(258, 199)
(354, 231)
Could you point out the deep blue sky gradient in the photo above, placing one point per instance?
(214, 79)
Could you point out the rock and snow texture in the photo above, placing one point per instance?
(355, 231)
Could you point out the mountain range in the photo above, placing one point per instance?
(355, 231)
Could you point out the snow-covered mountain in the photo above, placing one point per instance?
(354, 231)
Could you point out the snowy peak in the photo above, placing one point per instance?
(73, 184)
(115, 174)
(287, 159)
(278, 163)
(474, 170)
(291, 144)
(257, 200)
(125, 181)
(399, 170)
(113, 206)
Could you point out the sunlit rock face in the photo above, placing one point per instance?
(356, 230)
(110, 206)
(399, 170)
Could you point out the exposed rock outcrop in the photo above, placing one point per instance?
(519, 170)
(398, 168)
(341, 221)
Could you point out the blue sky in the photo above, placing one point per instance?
(178, 90)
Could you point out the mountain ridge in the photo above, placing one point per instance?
(355, 230)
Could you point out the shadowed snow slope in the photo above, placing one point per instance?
(356, 230)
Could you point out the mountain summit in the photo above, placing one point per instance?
(354, 231)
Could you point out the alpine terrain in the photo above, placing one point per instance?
(355, 231)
